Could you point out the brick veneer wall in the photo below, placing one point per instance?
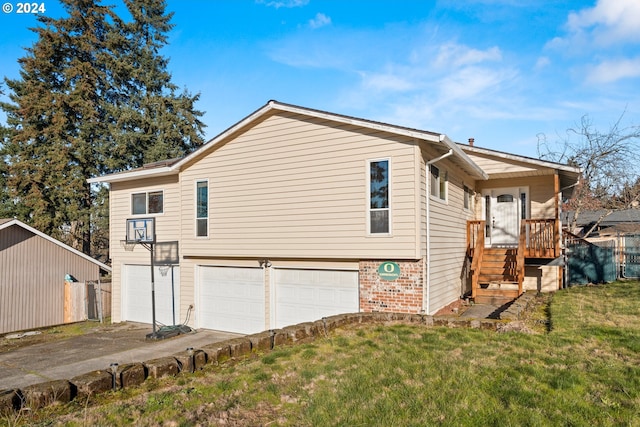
(403, 295)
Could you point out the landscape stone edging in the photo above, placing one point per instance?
(517, 308)
(117, 377)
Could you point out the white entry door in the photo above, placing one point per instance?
(502, 212)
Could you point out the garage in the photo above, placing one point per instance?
(231, 299)
(303, 295)
(137, 294)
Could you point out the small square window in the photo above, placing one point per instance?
(147, 203)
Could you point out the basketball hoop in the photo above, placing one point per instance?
(128, 245)
(164, 270)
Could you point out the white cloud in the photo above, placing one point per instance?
(610, 21)
(455, 55)
(611, 71)
(283, 3)
(471, 84)
(386, 82)
(542, 63)
(321, 20)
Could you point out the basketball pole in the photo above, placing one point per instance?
(153, 293)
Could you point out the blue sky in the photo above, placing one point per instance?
(500, 71)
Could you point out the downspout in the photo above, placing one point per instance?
(427, 303)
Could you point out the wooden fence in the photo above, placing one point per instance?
(87, 301)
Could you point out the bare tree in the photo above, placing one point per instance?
(609, 163)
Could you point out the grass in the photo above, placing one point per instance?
(581, 366)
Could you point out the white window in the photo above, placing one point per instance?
(379, 215)
(439, 181)
(467, 197)
(151, 202)
(202, 208)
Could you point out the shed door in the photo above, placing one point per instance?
(231, 299)
(137, 294)
(309, 295)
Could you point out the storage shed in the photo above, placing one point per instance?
(33, 267)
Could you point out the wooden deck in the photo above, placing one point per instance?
(497, 274)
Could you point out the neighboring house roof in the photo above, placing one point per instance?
(623, 228)
(615, 217)
(569, 175)
(8, 222)
(174, 166)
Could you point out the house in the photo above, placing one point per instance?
(33, 267)
(293, 214)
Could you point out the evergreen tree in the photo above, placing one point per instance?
(58, 121)
(152, 121)
(93, 97)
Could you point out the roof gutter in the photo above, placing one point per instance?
(426, 302)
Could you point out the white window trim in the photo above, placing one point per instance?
(441, 172)
(470, 194)
(195, 208)
(146, 202)
(368, 189)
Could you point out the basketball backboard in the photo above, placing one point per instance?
(166, 253)
(141, 230)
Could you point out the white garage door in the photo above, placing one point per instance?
(137, 294)
(309, 295)
(231, 299)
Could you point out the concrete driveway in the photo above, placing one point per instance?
(70, 357)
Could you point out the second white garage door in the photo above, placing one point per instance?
(231, 299)
(309, 295)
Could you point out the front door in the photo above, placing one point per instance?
(502, 213)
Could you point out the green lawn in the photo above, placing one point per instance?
(582, 369)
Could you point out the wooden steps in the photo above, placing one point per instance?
(498, 278)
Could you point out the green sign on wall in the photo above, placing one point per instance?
(389, 270)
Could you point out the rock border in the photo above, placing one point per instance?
(116, 377)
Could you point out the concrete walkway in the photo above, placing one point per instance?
(75, 356)
(481, 311)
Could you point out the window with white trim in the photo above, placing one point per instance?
(202, 208)
(379, 215)
(467, 197)
(439, 182)
(151, 202)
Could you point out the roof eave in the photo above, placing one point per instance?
(517, 158)
(476, 170)
(135, 174)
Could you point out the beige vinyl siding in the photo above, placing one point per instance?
(296, 187)
(32, 273)
(541, 195)
(448, 222)
(499, 166)
(167, 229)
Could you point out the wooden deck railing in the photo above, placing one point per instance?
(522, 242)
(475, 250)
(475, 231)
(542, 238)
